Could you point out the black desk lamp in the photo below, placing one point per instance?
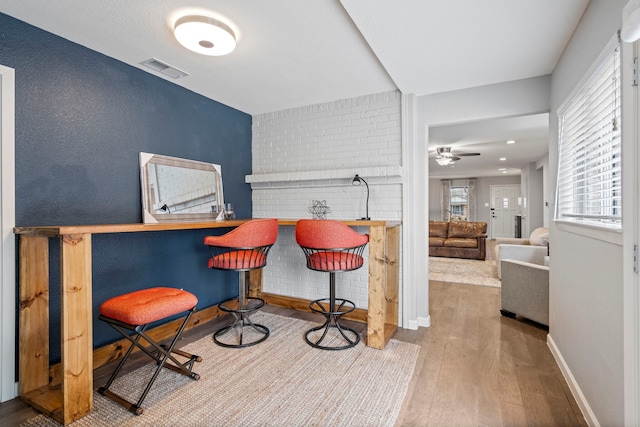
(356, 181)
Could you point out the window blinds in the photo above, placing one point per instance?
(589, 169)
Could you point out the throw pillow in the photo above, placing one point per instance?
(539, 237)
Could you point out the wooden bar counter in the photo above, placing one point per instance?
(74, 397)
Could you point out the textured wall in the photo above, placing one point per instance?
(81, 120)
(360, 132)
(312, 153)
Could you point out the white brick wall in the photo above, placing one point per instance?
(358, 132)
(312, 153)
(346, 201)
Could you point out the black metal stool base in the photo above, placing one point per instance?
(241, 319)
(349, 335)
(162, 354)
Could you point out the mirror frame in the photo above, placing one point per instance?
(148, 215)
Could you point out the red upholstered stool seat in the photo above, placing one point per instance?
(130, 314)
(241, 259)
(148, 305)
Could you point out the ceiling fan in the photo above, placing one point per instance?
(445, 156)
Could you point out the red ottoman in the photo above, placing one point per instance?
(133, 312)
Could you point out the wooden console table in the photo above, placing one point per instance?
(74, 397)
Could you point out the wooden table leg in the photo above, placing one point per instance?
(392, 265)
(34, 314)
(382, 316)
(255, 283)
(77, 333)
(73, 398)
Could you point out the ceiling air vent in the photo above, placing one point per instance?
(164, 68)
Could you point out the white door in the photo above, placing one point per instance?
(504, 208)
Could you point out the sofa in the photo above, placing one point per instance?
(533, 249)
(458, 239)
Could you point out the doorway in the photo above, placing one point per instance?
(504, 208)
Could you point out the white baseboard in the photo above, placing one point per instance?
(588, 414)
(411, 324)
(424, 321)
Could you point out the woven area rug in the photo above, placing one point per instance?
(466, 271)
(280, 382)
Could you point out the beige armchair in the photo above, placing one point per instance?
(532, 250)
(525, 290)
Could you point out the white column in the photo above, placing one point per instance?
(7, 222)
(415, 280)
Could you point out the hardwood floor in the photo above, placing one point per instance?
(476, 368)
(479, 368)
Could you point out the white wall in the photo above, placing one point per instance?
(511, 99)
(312, 153)
(586, 279)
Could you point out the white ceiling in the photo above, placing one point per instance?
(294, 53)
(489, 137)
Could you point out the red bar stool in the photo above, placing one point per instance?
(243, 249)
(331, 246)
(133, 312)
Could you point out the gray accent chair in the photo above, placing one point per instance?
(525, 253)
(525, 290)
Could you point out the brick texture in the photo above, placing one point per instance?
(312, 153)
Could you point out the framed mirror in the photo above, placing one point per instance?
(175, 189)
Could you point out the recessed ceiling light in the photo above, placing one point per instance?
(502, 159)
(504, 171)
(511, 141)
(205, 35)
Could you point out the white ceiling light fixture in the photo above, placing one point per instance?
(205, 35)
(511, 141)
(631, 22)
(445, 157)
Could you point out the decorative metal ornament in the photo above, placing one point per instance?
(319, 209)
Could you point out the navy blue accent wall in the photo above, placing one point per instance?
(81, 120)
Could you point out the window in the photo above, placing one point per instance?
(458, 199)
(458, 203)
(589, 170)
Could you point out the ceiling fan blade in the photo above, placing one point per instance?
(465, 154)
